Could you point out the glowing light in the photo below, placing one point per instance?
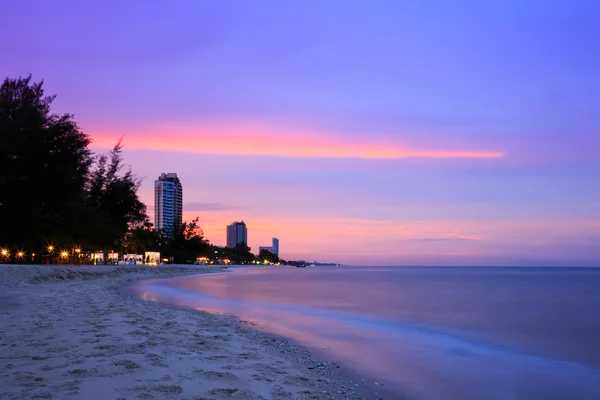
(20, 254)
(51, 248)
(64, 254)
(77, 250)
(4, 252)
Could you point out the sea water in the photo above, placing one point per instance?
(425, 333)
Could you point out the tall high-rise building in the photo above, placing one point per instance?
(168, 203)
(236, 233)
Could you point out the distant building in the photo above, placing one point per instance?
(168, 203)
(236, 233)
(274, 248)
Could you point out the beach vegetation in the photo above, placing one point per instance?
(188, 243)
(242, 254)
(55, 193)
(266, 255)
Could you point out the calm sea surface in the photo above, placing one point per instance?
(426, 333)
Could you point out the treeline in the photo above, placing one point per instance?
(56, 194)
(53, 189)
(188, 245)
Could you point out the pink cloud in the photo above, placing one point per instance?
(267, 141)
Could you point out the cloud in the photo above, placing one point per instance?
(277, 142)
(446, 239)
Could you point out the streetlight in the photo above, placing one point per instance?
(51, 248)
(64, 254)
(20, 254)
(78, 251)
(4, 252)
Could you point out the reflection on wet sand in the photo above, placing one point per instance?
(426, 360)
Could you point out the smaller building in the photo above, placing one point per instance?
(113, 258)
(274, 248)
(152, 257)
(133, 259)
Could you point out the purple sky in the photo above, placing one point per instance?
(367, 132)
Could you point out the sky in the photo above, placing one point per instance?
(363, 132)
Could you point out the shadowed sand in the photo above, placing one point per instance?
(75, 333)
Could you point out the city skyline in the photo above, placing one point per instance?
(386, 133)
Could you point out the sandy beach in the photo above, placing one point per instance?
(77, 333)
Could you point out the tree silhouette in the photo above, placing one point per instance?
(52, 189)
(266, 255)
(44, 162)
(188, 243)
(115, 199)
(242, 253)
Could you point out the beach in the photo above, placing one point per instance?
(76, 332)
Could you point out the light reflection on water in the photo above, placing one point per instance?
(427, 360)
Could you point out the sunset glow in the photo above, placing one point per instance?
(261, 142)
(406, 133)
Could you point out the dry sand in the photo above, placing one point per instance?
(76, 333)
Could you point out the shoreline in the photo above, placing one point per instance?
(77, 332)
(353, 382)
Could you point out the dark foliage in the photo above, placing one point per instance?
(44, 162)
(115, 200)
(188, 243)
(52, 189)
(266, 255)
(242, 254)
(142, 237)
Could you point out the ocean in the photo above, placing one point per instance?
(423, 332)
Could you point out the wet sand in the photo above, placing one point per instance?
(77, 333)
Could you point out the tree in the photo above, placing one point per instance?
(188, 243)
(266, 255)
(242, 254)
(222, 253)
(115, 199)
(44, 162)
(142, 237)
(49, 192)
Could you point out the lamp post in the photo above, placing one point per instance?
(5, 253)
(50, 250)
